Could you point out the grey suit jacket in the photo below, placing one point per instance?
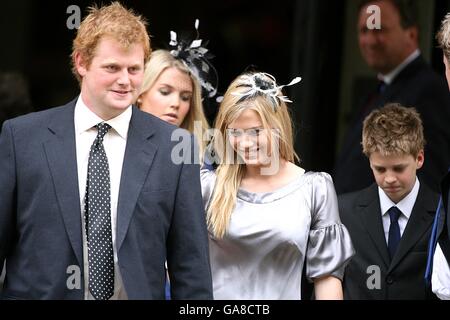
(401, 278)
(160, 214)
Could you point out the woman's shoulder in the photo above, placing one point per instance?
(207, 173)
(318, 185)
(295, 170)
(208, 180)
(316, 178)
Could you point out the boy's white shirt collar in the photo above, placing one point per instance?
(406, 205)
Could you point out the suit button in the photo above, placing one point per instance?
(389, 280)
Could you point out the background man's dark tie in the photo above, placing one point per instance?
(394, 231)
(98, 220)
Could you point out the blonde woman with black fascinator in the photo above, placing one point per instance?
(172, 89)
(173, 84)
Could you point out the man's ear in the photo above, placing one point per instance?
(420, 159)
(413, 34)
(80, 64)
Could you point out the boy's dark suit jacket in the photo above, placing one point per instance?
(401, 278)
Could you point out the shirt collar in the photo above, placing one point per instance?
(85, 119)
(389, 78)
(406, 205)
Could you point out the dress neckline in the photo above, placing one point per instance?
(266, 197)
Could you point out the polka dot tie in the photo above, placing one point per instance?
(97, 213)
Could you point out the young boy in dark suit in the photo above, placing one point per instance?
(390, 222)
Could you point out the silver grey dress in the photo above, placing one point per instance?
(271, 235)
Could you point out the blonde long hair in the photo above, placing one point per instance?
(229, 175)
(160, 60)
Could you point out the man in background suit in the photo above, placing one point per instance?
(92, 203)
(390, 222)
(405, 78)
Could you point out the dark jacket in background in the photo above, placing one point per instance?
(443, 231)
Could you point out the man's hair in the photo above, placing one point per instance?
(393, 129)
(443, 36)
(407, 10)
(114, 21)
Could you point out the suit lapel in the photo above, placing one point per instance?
(419, 223)
(393, 92)
(60, 150)
(139, 155)
(371, 217)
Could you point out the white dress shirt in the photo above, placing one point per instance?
(405, 205)
(440, 278)
(114, 143)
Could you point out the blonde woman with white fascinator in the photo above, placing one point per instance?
(267, 217)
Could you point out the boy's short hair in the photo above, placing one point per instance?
(393, 129)
(113, 21)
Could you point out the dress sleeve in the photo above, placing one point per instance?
(329, 245)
